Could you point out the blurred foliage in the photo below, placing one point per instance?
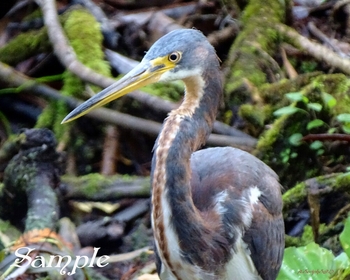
(317, 263)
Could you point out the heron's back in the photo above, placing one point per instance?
(234, 182)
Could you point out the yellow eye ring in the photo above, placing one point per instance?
(174, 57)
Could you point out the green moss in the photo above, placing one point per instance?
(308, 66)
(90, 183)
(297, 163)
(254, 118)
(9, 233)
(293, 197)
(274, 146)
(275, 10)
(342, 182)
(127, 177)
(98, 187)
(296, 198)
(307, 236)
(36, 14)
(93, 181)
(10, 148)
(84, 35)
(83, 32)
(291, 241)
(21, 178)
(25, 45)
(47, 117)
(268, 139)
(252, 49)
(274, 93)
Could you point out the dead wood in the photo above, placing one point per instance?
(111, 229)
(110, 149)
(317, 51)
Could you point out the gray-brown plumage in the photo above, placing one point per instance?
(216, 213)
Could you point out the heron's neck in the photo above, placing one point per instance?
(175, 218)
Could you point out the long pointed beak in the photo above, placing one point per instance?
(147, 72)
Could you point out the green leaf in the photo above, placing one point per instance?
(346, 128)
(293, 155)
(315, 106)
(295, 139)
(331, 130)
(289, 110)
(342, 261)
(314, 124)
(316, 145)
(345, 237)
(343, 118)
(309, 262)
(295, 96)
(329, 100)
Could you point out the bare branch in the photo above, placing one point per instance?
(316, 50)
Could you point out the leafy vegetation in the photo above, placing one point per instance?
(317, 263)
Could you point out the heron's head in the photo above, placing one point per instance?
(178, 55)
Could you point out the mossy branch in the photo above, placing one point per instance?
(339, 182)
(250, 55)
(29, 182)
(97, 187)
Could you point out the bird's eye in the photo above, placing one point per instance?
(174, 57)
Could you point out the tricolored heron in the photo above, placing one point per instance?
(216, 213)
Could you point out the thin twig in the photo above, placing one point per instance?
(327, 137)
(110, 148)
(291, 72)
(323, 38)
